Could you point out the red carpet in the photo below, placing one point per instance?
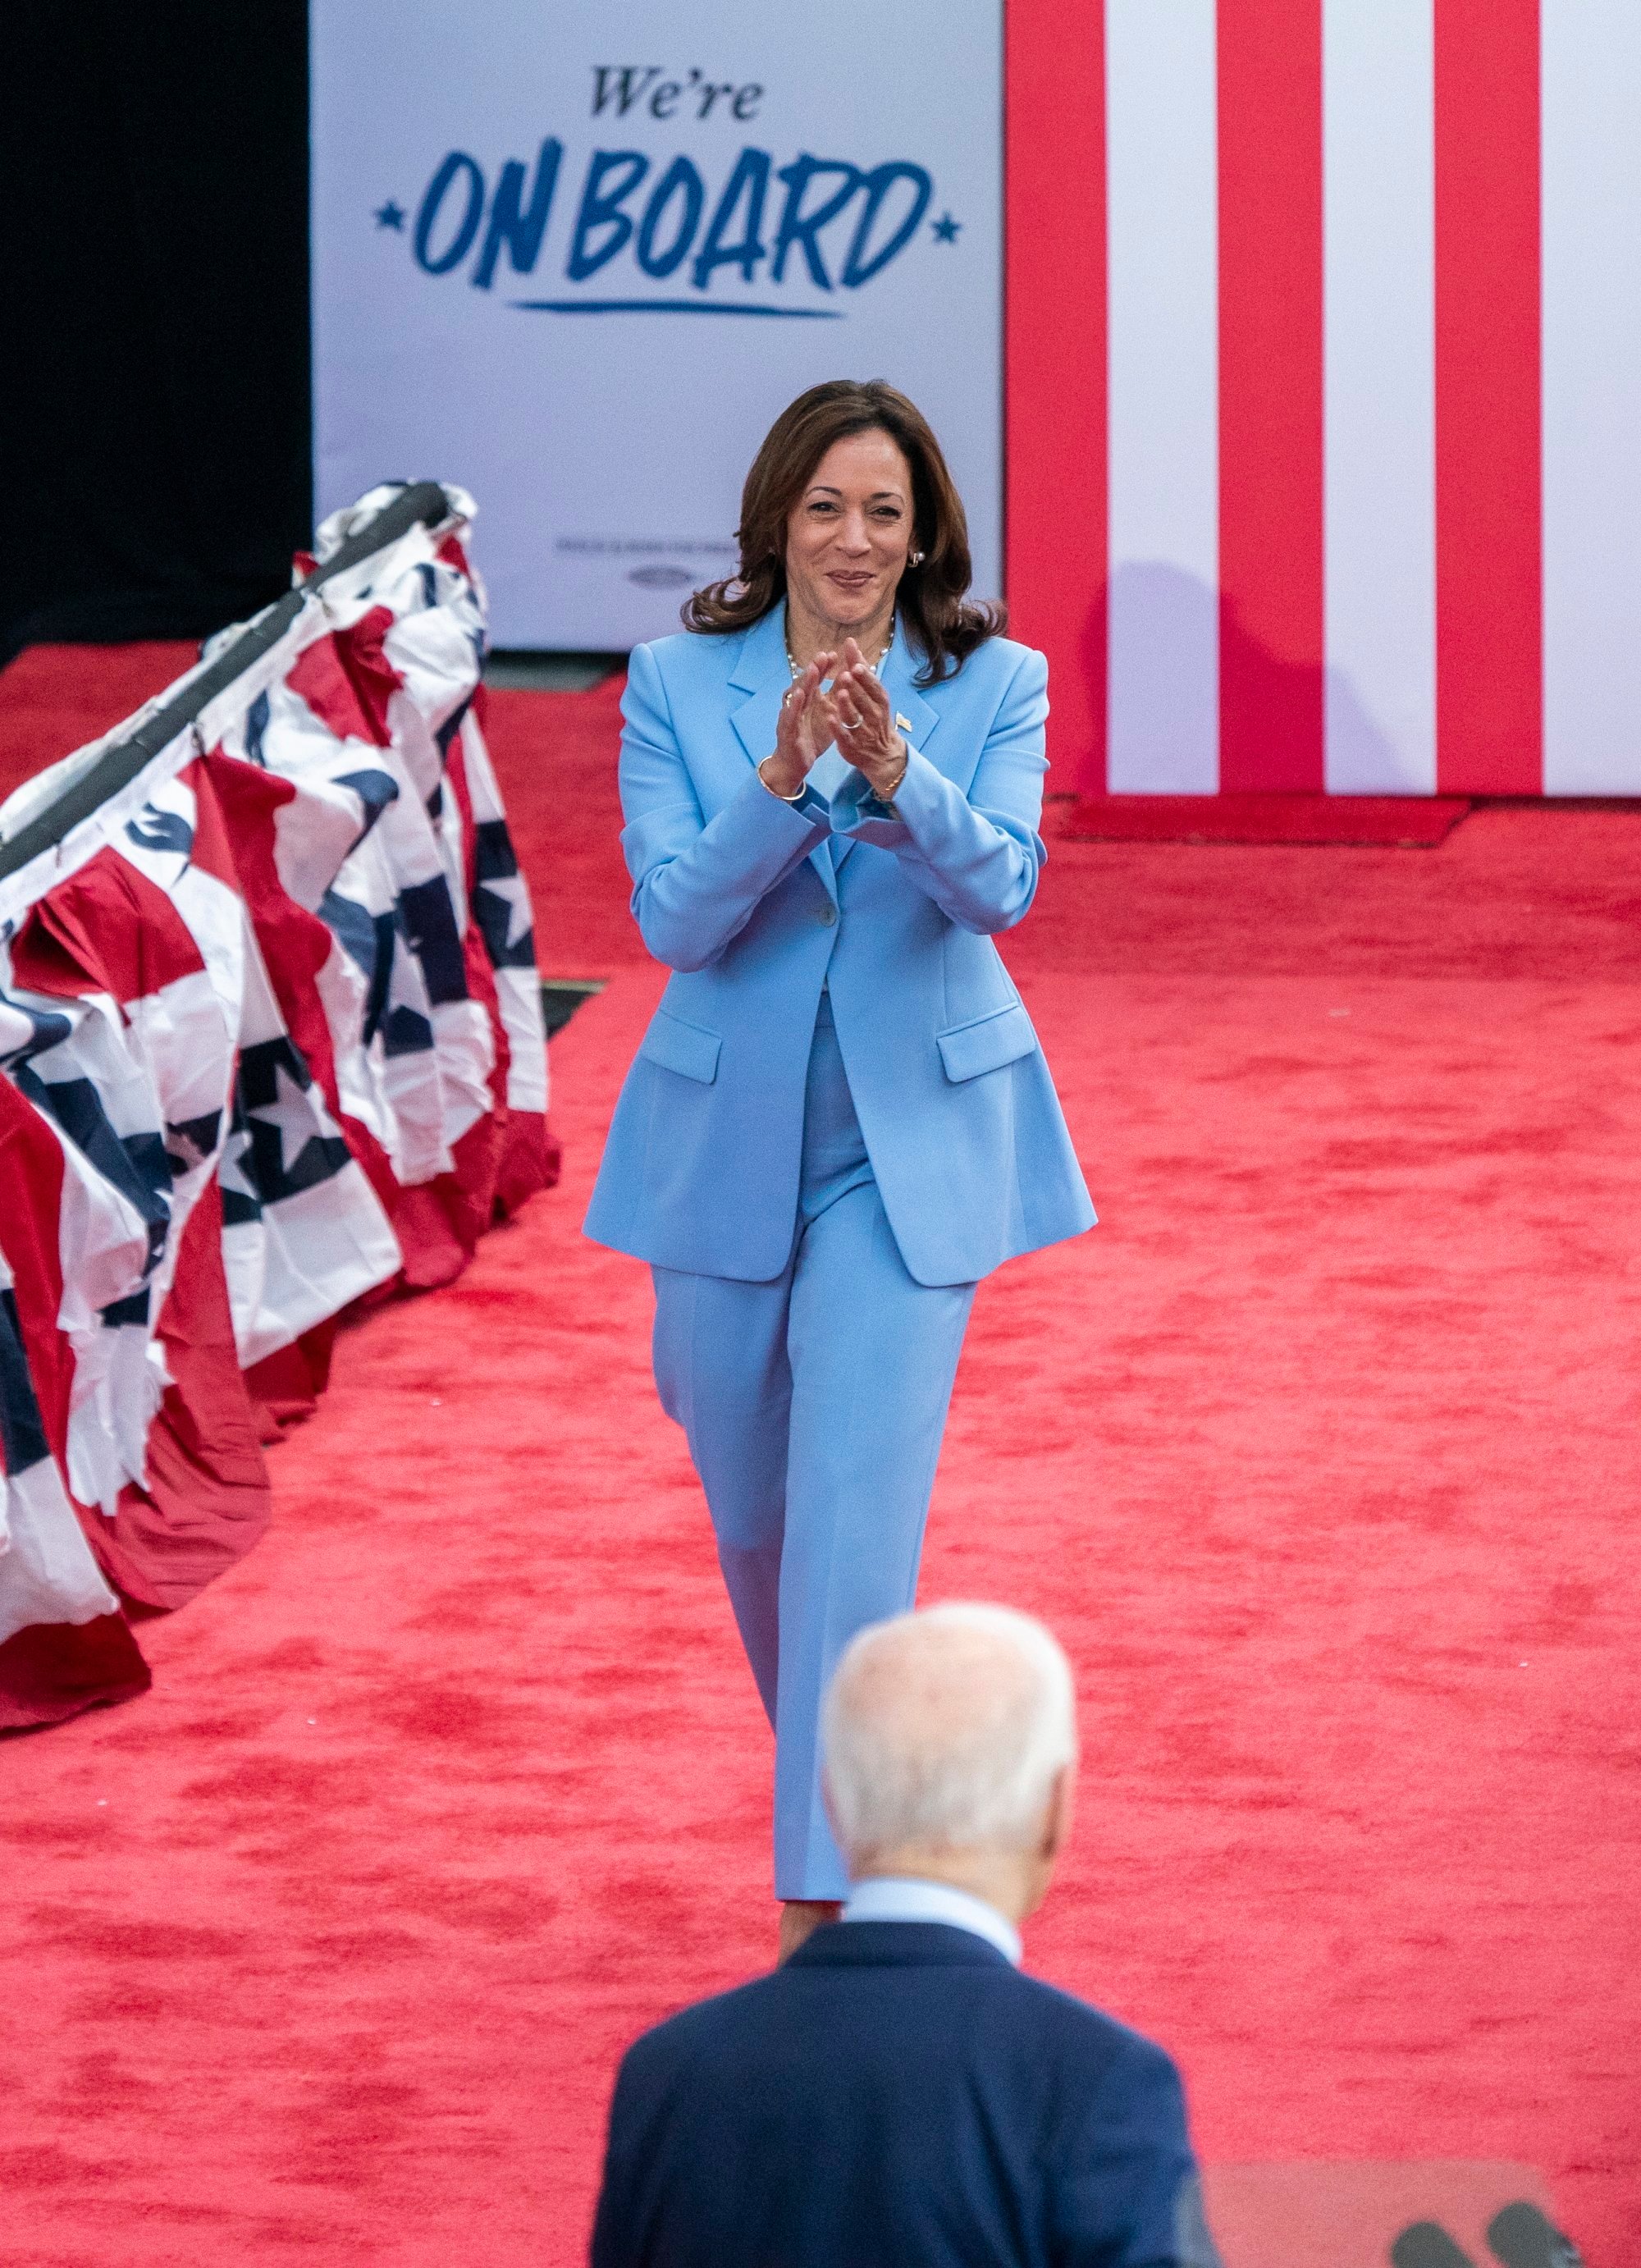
(1410, 821)
(1320, 1453)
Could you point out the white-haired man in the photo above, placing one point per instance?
(897, 2092)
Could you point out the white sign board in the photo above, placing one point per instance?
(578, 258)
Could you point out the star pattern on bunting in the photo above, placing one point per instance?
(510, 920)
(291, 1140)
(241, 1202)
(157, 830)
(282, 1128)
(189, 1142)
(26, 1031)
(501, 898)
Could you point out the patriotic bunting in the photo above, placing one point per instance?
(270, 1043)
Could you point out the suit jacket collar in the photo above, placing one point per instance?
(762, 674)
(761, 655)
(896, 1945)
(917, 718)
(760, 670)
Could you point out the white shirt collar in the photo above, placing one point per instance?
(903, 1897)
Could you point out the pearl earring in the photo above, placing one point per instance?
(916, 559)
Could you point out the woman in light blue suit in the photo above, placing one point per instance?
(840, 1118)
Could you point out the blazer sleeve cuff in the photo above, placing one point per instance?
(759, 807)
(752, 840)
(857, 811)
(810, 806)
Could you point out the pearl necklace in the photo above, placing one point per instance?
(876, 667)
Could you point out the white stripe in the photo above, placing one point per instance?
(1379, 393)
(1589, 93)
(46, 1571)
(1164, 258)
(306, 1258)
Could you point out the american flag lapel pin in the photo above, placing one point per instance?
(903, 724)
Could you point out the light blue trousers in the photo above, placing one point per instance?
(814, 1408)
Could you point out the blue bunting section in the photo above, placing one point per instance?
(271, 1043)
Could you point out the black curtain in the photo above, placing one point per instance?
(157, 338)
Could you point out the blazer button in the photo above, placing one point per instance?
(827, 915)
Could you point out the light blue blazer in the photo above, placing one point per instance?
(755, 904)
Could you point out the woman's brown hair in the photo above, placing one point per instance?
(932, 601)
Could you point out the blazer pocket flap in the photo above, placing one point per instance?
(988, 1043)
(683, 1048)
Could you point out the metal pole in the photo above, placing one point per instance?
(420, 504)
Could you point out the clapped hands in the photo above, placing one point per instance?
(838, 696)
(865, 725)
(805, 731)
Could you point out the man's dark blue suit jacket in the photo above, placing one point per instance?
(898, 2096)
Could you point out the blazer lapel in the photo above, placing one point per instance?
(918, 718)
(761, 674)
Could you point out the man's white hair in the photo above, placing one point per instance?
(946, 1730)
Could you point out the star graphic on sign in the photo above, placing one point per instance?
(390, 215)
(945, 229)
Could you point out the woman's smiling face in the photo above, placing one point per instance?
(849, 534)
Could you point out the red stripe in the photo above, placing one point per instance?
(1488, 527)
(206, 1499)
(233, 841)
(52, 1670)
(476, 962)
(1270, 394)
(1055, 391)
(526, 1159)
(346, 680)
(32, 1174)
(107, 929)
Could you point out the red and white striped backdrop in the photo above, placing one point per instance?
(1324, 391)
